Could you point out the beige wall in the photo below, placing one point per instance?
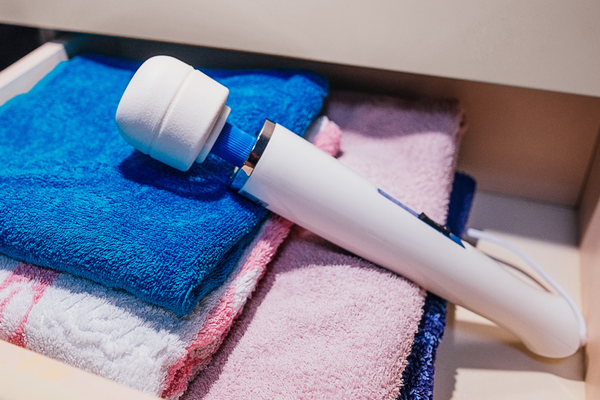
(543, 44)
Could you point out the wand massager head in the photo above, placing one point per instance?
(172, 112)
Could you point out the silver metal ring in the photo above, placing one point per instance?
(241, 175)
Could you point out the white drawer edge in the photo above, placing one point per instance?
(25, 375)
(21, 76)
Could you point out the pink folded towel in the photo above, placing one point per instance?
(114, 334)
(322, 323)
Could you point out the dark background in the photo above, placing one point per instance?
(17, 41)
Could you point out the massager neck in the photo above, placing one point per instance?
(233, 145)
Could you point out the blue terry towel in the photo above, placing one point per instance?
(75, 197)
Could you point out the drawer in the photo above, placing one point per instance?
(533, 153)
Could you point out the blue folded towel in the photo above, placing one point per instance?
(75, 197)
(419, 372)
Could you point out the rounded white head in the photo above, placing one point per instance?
(172, 112)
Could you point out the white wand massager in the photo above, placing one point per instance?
(178, 115)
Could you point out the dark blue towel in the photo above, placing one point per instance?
(419, 373)
(75, 197)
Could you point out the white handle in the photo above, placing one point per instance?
(312, 189)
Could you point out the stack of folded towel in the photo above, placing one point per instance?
(147, 266)
(78, 199)
(129, 269)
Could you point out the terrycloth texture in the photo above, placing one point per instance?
(419, 373)
(121, 337)
(75, 197)
(461, 199)
(324, 324)
(114, 334)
